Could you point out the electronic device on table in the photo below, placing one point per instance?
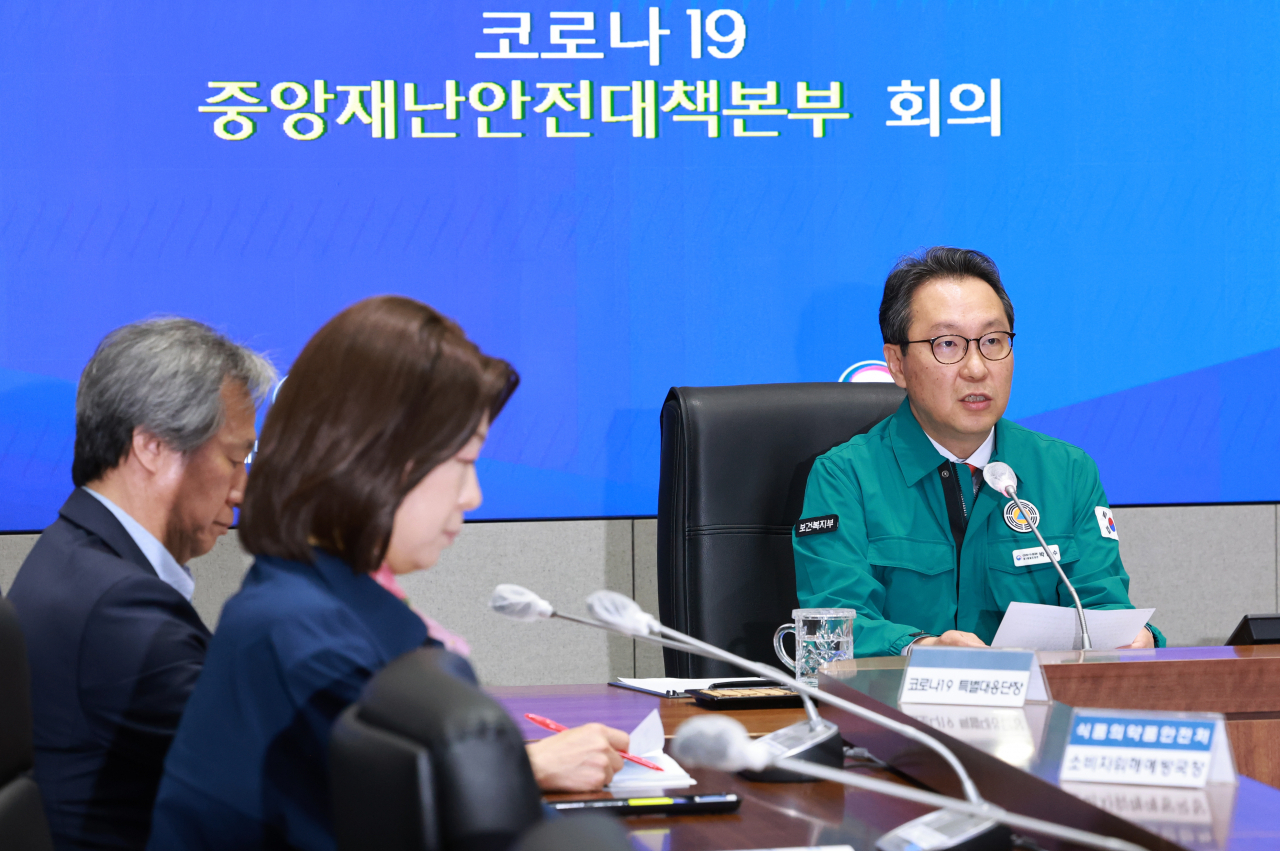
(676, 805)
(747, 694)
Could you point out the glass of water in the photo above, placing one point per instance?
(823, 636)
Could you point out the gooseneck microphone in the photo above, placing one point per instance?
(714, 741)
(816, 739)
(620, 613)
(1001, 477)
(521, 604)
(721, 743)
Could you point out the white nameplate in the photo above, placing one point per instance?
(1035, 555)
(1148, 748)
(967, 676)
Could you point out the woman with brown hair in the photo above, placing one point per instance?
(366, 459)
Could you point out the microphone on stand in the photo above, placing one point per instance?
(714, 741)
(619, 613)
(521, 604)
(816, 739)
(719, 742)
(1001, 477)
(723, 743)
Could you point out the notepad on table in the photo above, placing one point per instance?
(673, 687)
(647, 740)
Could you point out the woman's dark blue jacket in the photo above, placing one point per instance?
(294, 647)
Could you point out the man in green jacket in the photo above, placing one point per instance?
(883, 512)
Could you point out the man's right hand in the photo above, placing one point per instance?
(952, 638)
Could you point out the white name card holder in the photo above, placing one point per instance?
(966, 676)
(1148, 748)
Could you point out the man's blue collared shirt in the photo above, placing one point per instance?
(176, 576)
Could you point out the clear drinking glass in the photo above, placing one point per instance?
(822, 636)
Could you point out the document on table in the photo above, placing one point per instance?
(1032, 626)
(647, 740)
(672, 687)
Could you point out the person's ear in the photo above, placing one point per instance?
(150, 451)
(893, 359)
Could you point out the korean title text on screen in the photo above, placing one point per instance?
(536, 103)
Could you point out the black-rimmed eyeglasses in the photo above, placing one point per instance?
(952, 348)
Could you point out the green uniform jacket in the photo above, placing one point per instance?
(892, 555)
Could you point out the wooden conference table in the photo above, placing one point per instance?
(1243, 683)
(783, 815)
(772, 815)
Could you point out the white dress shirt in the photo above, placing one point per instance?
(166, 566)
(980, 457)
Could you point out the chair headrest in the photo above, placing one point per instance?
(778, 429)
(486, 794)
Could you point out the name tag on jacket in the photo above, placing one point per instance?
(817, 525)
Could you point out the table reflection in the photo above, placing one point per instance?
(651, 839)
(1012, 735)
(1193, 818)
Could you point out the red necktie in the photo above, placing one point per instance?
(976, 472)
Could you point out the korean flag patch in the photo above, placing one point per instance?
(1106, 523)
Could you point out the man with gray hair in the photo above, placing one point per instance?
(165, 416)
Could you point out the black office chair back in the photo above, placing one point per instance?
(425, 761)
(23, 826)
(734, 465)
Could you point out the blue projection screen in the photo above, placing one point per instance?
(620, 197)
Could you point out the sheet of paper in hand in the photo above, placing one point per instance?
(1038, 627)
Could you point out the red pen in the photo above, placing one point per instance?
(548, 724)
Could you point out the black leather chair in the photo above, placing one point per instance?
(734, 465)
(425, 761)
(23, 826)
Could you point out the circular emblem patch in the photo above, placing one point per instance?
(1015, 518)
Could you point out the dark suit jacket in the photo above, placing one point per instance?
(114, 654)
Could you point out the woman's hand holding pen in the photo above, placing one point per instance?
(583, 759)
